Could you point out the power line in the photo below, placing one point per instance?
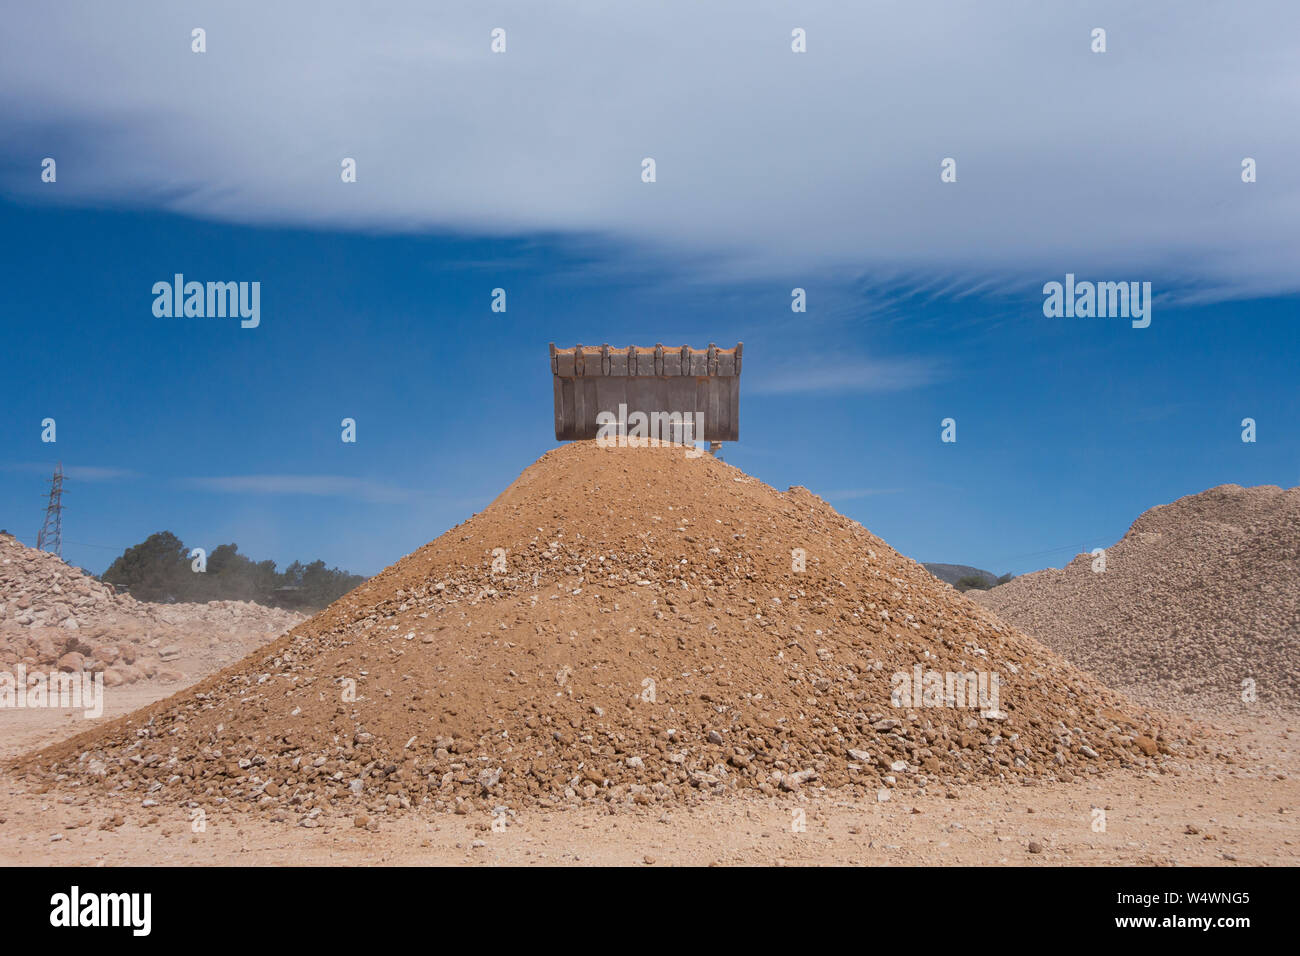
(52, 530)
(106, 547)
(81, 544)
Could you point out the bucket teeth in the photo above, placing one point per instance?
(589, 360)
(667, 385)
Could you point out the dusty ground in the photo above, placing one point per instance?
(1243, 812)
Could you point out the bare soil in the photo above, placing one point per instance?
(1241, 806)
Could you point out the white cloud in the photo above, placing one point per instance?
(74, 472)
(1124, 164)
(93, 473)
(827, 373)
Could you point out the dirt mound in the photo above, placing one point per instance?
(626, 625)
(1199, 596)
(54, 616)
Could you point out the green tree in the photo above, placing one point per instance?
(157, 569)
(232, 576)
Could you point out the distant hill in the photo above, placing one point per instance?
(963, 577)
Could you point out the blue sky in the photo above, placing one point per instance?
(521, 171)
(1067, 429)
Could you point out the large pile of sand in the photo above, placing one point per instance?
(54, 616)
(643, 637)
(1199, 597)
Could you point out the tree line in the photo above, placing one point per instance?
(160, 569)
(975, 582)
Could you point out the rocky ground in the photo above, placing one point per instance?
(55, 617)
(1235, 809)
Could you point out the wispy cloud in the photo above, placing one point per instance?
(324, 486)
(848, 375)
(74, 472)
(321, 486)
(824, 191)
(95, 473)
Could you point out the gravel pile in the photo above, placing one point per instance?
(625, 626)
(53, 616)
(1198, 604)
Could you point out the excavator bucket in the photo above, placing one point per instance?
(599, 385)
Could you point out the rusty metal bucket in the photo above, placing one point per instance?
(595, 383)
